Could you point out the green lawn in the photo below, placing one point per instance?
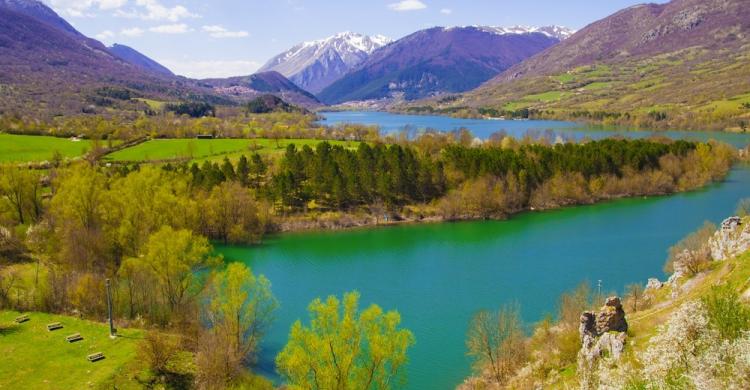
(35, 358)
(26, 148)
(202, 149)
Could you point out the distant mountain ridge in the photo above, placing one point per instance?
(137, 58)
(261, 83)
(316, 64)
(436, 61)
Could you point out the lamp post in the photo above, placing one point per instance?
(112, 330)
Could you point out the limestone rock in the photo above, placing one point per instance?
(602, 332)
(654, 284)
(732, 239)
(611, 317)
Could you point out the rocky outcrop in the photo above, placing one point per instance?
(603, 332)
(653, 284)
(732, 239)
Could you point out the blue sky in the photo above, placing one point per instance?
(234, 37)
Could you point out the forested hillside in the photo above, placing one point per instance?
(674, 65)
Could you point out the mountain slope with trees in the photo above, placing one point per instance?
(139, 59)
(676, 65)
(255, 85)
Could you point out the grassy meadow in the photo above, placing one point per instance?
(210, 149)
(35, 358)
(28, 148)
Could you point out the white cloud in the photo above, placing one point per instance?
(105, 35)
(180, 28)
(111, 4)
(154, 10)
(221, 32)
(142, 9)
(211, 69)
(407, 5)
(82, 8)
(446, 11)
(132, 32)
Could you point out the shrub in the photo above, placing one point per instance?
(158, 350)
(695, 244)
(726, 313)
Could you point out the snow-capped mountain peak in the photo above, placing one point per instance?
(313, 65)
(558, 32)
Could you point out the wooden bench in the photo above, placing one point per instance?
(54, 326)
(95, 357)
(74, 337)
(22, 318)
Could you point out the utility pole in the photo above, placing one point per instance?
(112, 330)
(599, 286)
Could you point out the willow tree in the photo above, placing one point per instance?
(176, 257)
(241, 308)
(343, 348)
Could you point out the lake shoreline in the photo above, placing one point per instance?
(362, 221)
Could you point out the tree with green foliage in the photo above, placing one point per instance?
(243, 171)
(240, 310)
(22, 190)
(233, 215)
(176, 258)
(79, 210)
(344, 348)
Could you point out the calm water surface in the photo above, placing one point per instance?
(438, 275)
(483, 128)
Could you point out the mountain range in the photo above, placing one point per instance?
(48, 68)
(439, 60)
(314, 65)
(682, 64)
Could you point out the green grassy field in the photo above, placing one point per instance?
(209, 149)
(26, 148)
(35, 358)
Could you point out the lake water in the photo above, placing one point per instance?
(483, 128)
(438, 275)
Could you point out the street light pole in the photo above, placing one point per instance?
(112, 331)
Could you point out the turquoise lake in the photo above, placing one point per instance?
(438, 275)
